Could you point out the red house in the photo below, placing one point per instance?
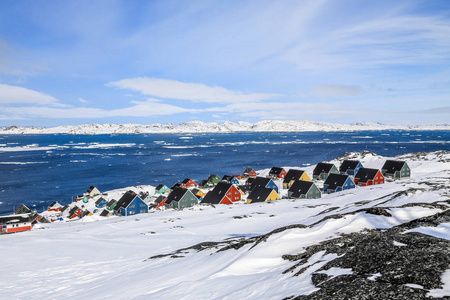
(15, 223)
(367, 176)
(249, 172)
(187, 183)
(75, 212)
(160, 202)
(55, 206)
(276, 172)
(223, 193)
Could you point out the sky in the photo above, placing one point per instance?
(82, 62)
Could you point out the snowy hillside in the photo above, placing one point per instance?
(198, 126)
(380, 241)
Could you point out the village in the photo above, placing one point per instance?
(246, 188)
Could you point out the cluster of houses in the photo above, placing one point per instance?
(248, 188)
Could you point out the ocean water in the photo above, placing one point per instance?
(39, 169)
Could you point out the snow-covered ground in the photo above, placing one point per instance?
(148, 256)
(198, 126)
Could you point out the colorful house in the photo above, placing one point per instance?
(92, 191)
(55, 206)
(15, 223)
(302, 189)
(160, 202)
(350, 167)
(75, 212)
(396, 169)
(263, 182)
(249, 172)
(188, 183)
(111, 205)
(105, 213)
(262, 194)
(213, 179)
(276, 172)
(230, 179)
(293, 175)
(337, 183)
(23, 209)
(367, 176)
(176, 185)
(162, 189)
(322, 170)
(223, 193)
(101, 202)
(199, 193)
(130, 204)
(205, 184)
(180, 198)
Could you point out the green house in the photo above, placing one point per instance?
(162, 189)
(301, 189)
(322, 170)
(214, 179)
(180, 198)
(111, 205)
(396, 169)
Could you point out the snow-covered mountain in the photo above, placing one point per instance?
(198, 126)
(390, 241)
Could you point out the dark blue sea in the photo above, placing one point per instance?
(39, 169)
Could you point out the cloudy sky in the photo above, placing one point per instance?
(77, 62)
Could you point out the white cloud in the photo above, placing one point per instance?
(197, 92)
(10, 94)
(83, 100)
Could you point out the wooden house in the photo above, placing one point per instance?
(105, 213)
(205, 184)
(396, 169)
(180, 198)
(302, 189)
(350, 167)
(322, 170)
(213, 179)
(160, 202)
(188, 183)
(101, 202)
(223, 193)
(162, 189)
(293, 175)
(176, 185)
(199, 193)
(277, 172)
(230, 179)
(337, 183)
(92, 191)
(15, 223)
(262, 194)
(263, 182)
(368, 176)
(85, 213)
(23, 209)
(130, 204)
(74, 212)
(55, 206)
(111, 205)
(249, 172)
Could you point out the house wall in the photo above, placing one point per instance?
(11, 228)
(137, 206)
(313, 193)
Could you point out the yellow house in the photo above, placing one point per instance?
(294, 175)
(262, 194)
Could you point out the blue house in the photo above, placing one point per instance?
(130, 204)
(337, 183)
(263, 182)
(100, 203)
(350, 167)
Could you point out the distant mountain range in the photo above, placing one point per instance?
(199, 127)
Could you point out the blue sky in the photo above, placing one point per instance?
(78, 62)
